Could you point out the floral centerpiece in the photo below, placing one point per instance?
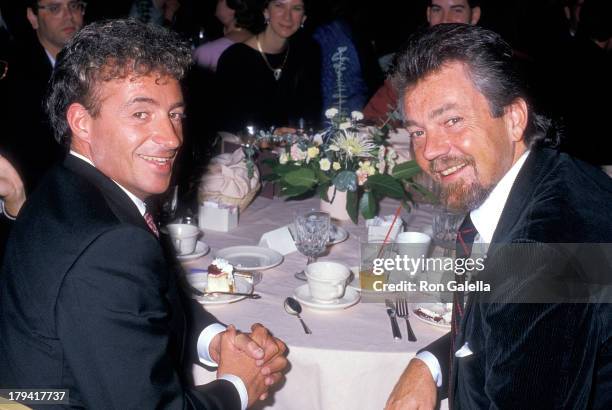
(347, 157)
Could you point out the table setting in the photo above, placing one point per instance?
(298, 268)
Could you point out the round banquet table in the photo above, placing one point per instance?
(351, 360)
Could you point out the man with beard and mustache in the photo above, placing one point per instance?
(473, 131)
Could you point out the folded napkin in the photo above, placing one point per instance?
(226, 180)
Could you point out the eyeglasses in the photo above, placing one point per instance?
(56, 8)
(3, 69)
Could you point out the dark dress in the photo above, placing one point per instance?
(248, 94)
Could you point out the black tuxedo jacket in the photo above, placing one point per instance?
(544, 355)
(89, 303)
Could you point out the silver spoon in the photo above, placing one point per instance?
(293, 307)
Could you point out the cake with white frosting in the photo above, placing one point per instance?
(220, 276)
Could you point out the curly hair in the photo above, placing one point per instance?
(105, 51)
(490, 64)
(246, 13)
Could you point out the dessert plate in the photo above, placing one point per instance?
(200, 250)
(436, 314)
(250, 257)
(302, 294)
(200, 279)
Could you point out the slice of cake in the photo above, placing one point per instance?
(220, 276)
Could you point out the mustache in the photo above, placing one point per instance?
(440, 164)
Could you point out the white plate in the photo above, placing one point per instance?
(438, 308)
(302, 294)
(338, 234)
(200, 250)
(250, 257)
(199, 281)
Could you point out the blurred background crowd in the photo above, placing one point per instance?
(282, 63)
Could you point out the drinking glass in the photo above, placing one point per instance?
(445, 226)
(311, 234)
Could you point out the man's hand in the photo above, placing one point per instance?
(267, 351)
(415, 389)
(234, 361)
(274, 360)
(11, 188)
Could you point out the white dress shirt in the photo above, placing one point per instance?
(207, 335)
(485, 219)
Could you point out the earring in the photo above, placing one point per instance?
(302, 25)
(267, 20)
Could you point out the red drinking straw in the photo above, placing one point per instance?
(397, 212)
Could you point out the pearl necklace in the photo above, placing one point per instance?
(276, 71)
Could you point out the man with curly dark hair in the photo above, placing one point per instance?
(88, 300)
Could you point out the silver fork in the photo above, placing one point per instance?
(401, 308)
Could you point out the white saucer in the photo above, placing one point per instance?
(302, 294)
(250, 257)
(200, 250)
(338, 234)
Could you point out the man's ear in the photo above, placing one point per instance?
(32, 18)
(79, 121)
(516, 116)
(428, 15)
(475, 16)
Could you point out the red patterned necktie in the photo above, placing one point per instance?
(151, 223)
(463, 247)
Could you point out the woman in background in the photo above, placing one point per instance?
(237, 17)
(273, 78)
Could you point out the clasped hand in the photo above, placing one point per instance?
(258, 358)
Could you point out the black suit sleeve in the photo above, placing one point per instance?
(112, 316)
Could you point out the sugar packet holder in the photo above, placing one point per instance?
(217, 216)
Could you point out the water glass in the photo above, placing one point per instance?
(312, 229)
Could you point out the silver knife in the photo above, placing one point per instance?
(392, 317)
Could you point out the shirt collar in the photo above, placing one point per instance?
(50, 57)
(486, 216)
(142, 207)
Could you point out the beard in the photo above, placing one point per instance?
(461, 196)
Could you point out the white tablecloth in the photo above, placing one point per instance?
(351, 360)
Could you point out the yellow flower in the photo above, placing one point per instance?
(336, 166)
(313, 152)
(324, 164)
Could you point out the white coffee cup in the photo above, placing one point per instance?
(413, 244)
(184, 237)
(327, 280)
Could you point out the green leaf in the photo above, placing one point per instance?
(385, 185)
(303, 177)
(322, 190)
(291, 191)
(323, 179)
(346, 181)
(352, 205)
(367, 205)
(406, 170)
(283, 169)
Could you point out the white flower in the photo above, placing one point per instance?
(284, 158)
(324, 164)
(336, 166)
(345, 125)
(331, 113)
(351, 144)
(318, 138)
(356, 116)
(381, 160)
